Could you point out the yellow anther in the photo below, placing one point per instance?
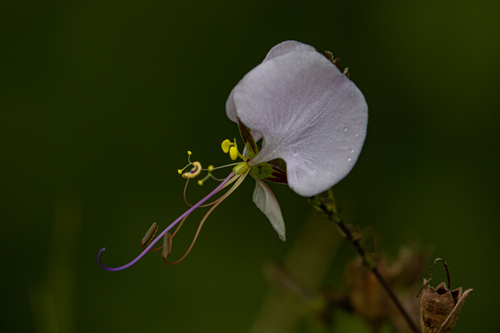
(195, 171)
(233, 153)
(231, 148)
(210, 168)
(189, 152)
(179, 171)
(225, 145)
(200, 182)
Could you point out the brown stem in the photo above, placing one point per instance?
(333, 215)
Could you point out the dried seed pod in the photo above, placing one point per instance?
(440, 307)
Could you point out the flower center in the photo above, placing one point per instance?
(232, 148)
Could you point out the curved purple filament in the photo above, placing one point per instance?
(217, 189)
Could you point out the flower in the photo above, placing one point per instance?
(310, 117)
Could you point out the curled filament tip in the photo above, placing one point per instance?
(152, 243)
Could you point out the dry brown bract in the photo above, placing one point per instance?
(440, 307)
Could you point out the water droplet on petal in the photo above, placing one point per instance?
(352, 151)
(295, 153)
(331, 140)
(357, 134)
(345, 129)
(349, 159)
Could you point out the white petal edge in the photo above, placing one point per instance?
(310, 115)
(266, 201)
(277, 50)
(286, 47)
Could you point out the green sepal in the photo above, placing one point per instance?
(269, 172)
(247, 137)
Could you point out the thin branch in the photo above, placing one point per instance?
(328, 206)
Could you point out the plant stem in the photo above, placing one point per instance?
(329, 207)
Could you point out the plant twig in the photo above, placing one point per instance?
(328, 206)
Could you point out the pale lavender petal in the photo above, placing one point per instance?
(286, 47)
(310, 114)
(231, 107)
(278, 50)
(231, 114)
(266, 201)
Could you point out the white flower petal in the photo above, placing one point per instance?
(309, 113)
(277, 50)
(286, 47)
(231, 107)
(266, 201)
(231, 114)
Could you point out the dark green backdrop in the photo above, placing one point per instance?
(100, 100)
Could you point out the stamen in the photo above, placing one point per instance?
(184, 193)
(189, 211)
(215, 204)
(216, 179)
(225, 166)
(189, 163)
(232, 180)
(145, 240)
(210, 169)
(176, 230)
(149, 234)
(231, 148)
(233, 153)
(180, 225)
(226, 144)
(167, 246)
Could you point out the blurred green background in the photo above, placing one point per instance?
(100, 100)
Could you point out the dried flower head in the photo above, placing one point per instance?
(440, 307)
